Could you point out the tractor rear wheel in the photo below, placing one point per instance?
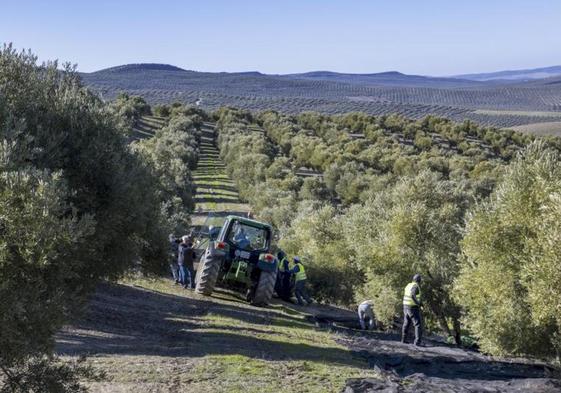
(207, 273)
(265, 288)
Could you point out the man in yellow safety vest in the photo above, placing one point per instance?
(300, 278)
(412, 310)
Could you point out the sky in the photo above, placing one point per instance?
(426, 37)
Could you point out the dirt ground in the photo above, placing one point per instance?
(149, 336)
(152, 336)
(438, 368)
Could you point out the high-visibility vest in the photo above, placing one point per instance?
(281, 265)
(407, 298)
(301, 274)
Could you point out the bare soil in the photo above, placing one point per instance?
(438, 367)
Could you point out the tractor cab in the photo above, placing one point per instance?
(238, 257)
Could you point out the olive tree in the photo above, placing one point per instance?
(75, 207)
(512, 270)
(414, 226)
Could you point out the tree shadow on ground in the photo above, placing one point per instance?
(125, 320)
(216, 199)
(220, 187)
(133, 321)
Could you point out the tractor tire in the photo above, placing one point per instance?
(207, 273)
(265, 287)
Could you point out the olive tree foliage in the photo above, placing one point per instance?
(129, 108)
(41, 247)
(411, 227)
(511, 272)
(75, 207)
(172, 154)
(317, 235)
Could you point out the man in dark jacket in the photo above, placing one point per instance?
(283, 287)
(173, 250)
(185, 259)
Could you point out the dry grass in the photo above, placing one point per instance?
(548, 128)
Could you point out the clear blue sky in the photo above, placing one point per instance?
(430, 37)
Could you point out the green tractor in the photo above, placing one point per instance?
(238, 257)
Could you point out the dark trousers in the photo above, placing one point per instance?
(191, 270)
(412, 315)
(282, 286)
(301, 292)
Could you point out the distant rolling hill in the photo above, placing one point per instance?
(391, 78)
(496, 103)
(515, 75)
(141, 67)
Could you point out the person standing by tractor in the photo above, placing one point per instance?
(412, 310)
(365, 312)
(282, 285)
(173, 254)
(185, 259)
(300, 279)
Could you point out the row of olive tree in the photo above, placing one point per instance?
(172, 154)
(511, 269)
(130, 108)
(76, 206)
(407, 222)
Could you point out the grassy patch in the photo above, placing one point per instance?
(215, 190)
(216, 344)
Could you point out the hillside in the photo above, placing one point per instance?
(392, 78)
(377, 94)
(141, 67)
(514, 75)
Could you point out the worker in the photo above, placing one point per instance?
(412, 310)
(282, 285)
(172, 254)
(300, 279)
(186, 256)
(365, 312)
(240, 238)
